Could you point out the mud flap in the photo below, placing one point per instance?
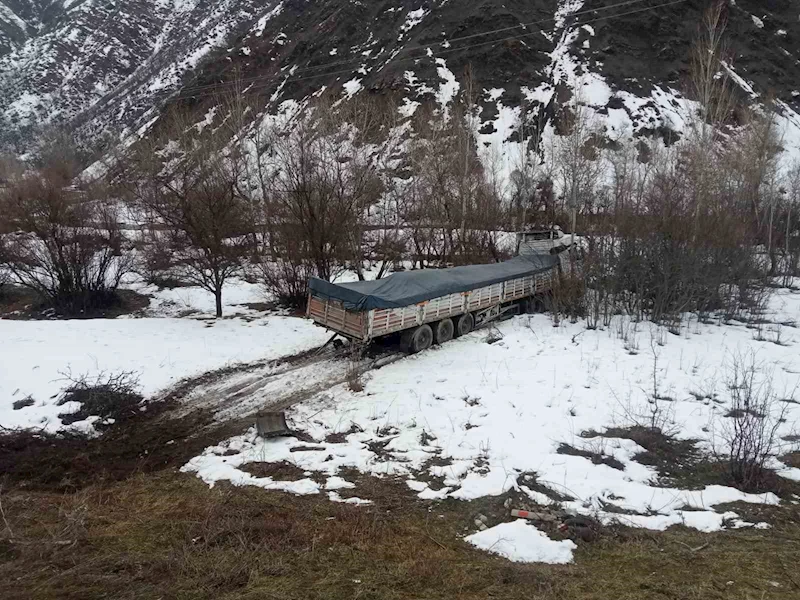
(272, 424)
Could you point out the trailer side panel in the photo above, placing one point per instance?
(388, 320)
(331, 314)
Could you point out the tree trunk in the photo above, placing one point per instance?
(788, 272)
(218, 299)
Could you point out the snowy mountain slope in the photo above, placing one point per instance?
(102, 52)
(74, 60)
(13, 28)
(110, 68)
(22, 19)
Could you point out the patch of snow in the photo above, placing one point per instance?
(519, 541)
(352, 87)
(739, 80)
(564, 10)
(335, 497)
(194, 300)
(541, 94)
(302, 487)
(337, 483)
(413, 83)
(496, 149)
(261, 24)
(26, 107)
(580, 377)
(494, 94)
(413, 18)
(449, 86)
(207, 120)
(333, 52)
(408, 108)
(757, 22)
(11, 17)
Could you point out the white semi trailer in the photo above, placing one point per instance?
(430, 306)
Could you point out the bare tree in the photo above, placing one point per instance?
(716, 100)
(527, 171)
(454, 203)
(286, 272)
(188, 188)
(254, 135)
(791, 247)
(685, 224)
(327, 179)
(578, 159)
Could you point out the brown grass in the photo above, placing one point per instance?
(167, 535)
(114, 518)
(279, 471)
(144, 442)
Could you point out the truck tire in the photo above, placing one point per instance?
(444, 331)
(417, 339)
(465, 324)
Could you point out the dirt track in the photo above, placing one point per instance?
(236, 396)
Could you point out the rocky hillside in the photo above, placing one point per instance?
(109, 67)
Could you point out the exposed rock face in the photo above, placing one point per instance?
(108, 67)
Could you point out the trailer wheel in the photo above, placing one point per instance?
(444, 331)
(466, 323)
(418, 339)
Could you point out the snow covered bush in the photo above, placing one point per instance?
(104, 399)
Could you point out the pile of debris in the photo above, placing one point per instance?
(574, 527)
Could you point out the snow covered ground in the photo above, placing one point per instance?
(37, 358)
(174, 337)
(491, 412)
(182, 301)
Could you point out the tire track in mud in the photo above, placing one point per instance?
(236, 395)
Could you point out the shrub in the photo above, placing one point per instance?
(748, 436)
(65, 244)
(111, 397)
(286, 279)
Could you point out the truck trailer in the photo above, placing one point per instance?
(428, 306)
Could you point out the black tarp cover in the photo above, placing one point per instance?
(409, 287)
